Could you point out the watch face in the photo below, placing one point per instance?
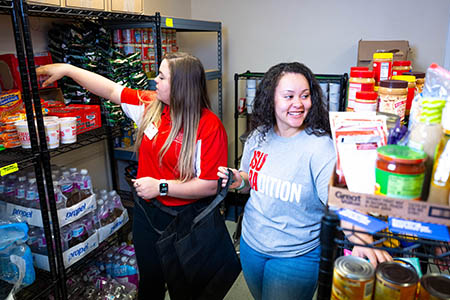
(163, 189)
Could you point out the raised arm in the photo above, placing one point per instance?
(93, 82)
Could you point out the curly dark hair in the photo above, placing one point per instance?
(263, 116)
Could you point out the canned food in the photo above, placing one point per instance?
(395, 281)
(434, 286)
(353, 278)
(127, 36)
(117, 36)
(137, 35)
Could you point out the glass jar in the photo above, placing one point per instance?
(411, 89)
(400, 66)
(420, 80)
(399, 172)
(360, 80)
(366, 101)
(392, 96)
(382, 66)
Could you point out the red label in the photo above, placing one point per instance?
(382, 70)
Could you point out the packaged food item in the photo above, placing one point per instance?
(399, 172)
(382, 66)
(392, 97)
(353, 278)
(434, 286)
(366, 101)
(396, 281)
(411, 90)
(399, 67)
(359, 81)
(420, 80)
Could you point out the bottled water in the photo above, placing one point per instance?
(133, 272)
(109, 263)
(116, 265)
(103, 213)
(79, 234)
(2, 186)
(75, 177)
(120, 272)
(21, 190)
(85, 181)
(31, 194)
(66, 236)
(10, 188)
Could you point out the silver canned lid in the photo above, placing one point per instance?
(354, 268)
(400, 274)
(437, 285)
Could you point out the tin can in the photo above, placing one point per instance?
(127, 36)
(137, 35)
(434, 286)
(145, 36)
(353, 278)
(117, 36)
(395, 281)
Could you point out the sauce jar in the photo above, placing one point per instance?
(360, 80)
(399, 172)
(400, 66)
(392, 95)
(420, 80)
(382, 66)
(411, 89)
(366, 101)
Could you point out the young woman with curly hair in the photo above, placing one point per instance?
(286, 165)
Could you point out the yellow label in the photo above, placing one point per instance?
(9, 169)
(169, 22)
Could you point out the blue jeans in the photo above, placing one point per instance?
(277, 278)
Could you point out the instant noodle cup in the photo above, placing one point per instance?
(51, 119)
(52, 134)
(68, 129)
(23, 133)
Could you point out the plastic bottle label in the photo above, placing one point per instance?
(20, 193)
(2, 188)
(67, 188)
(398, 185)
(77, 232)
(31, 195)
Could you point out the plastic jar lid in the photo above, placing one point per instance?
(359, 69)
(383, 55)
(367, 95)
(408, 78)
(394, 84)
(416, 74)
(401, 154)
(361, 73)
(401, 63)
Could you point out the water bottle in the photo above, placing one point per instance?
(103, 192)
(116, 265)
(24, 252)
(2, 186)
(67, 188)
(66, 236)
(10, 188)
(103, 213)
(121, 271)
(21, 191)
(31, 194)
(109, 263)
(60, 199)
(75, 177)
(6, 268)
(79, 234)
(42, 244)
(115, 205)
(133, 272)
(85, 182)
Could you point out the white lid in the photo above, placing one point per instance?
(132, 261)
(104, 197)
(84, 172)
(66, 173)
(31, 180)
(124, 259)
(72, 170)
(109, 255)
(112, 193)
(100, 202)
(55, 183)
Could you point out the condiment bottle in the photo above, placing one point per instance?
(400, 66)
(425, 134)
(392, 95)
(360, 80)
(382, 66)
(440, 183)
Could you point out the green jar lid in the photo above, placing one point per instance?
(401, 154)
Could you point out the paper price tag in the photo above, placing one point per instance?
(9, 169)
(169, 22)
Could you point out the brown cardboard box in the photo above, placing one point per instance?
(53, 95)
(386, 206)
(366, 49)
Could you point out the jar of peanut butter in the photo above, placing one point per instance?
(392, 95)
(359, 81)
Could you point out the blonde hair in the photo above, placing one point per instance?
(188, 97)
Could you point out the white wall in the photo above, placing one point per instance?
(322, 34)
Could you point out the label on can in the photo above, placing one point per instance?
(346, 288)
(404, 186)
(117, 36)
(387, 290)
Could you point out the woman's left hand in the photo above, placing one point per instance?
(375, 256)
(146, 187)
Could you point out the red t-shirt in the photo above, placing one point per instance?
(211, 146)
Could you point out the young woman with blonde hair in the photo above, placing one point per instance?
(180, 144)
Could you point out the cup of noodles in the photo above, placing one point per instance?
(68, 130)
(23, 133)
(52, 134)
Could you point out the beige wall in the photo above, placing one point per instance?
(170, 8)
(322, 34)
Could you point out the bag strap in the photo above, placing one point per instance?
(222, 192)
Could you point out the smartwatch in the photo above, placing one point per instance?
(163, 187)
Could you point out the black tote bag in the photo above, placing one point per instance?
(196, 253)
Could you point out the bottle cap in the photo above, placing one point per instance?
(72, 170)
(84, 172)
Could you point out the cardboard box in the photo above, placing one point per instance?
(53, 97)
(386, 206)
(106, 231)
(71, 255)
(366, 49)
(10, 74)
(88, 116)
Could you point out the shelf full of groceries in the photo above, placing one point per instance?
(392, 180)
(87, 217)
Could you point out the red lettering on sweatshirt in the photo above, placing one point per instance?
(256, 163)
